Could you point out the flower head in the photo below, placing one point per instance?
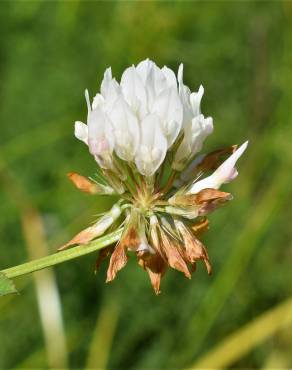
(145, 134)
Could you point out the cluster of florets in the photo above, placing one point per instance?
(145, 134)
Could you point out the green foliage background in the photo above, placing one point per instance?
(241, 52)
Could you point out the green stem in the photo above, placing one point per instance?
(56, 258)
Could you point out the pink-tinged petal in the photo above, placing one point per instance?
(224, 174)
(101, 139)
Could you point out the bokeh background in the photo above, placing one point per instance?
(67, 317)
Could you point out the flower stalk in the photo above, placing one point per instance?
(63, 256)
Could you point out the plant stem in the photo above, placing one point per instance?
(56, 258)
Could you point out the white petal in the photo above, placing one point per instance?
(154, 84)
(153, 147)
(195, 100)
(201, 128)
(81, 131)
(134, 90)
(97, 101)
(169, 109)
(87, 100)
(196, 126)
(170, 76)
(126, 130)
(107, 78)
(184, 93)
(224, 174)
(143, 69)
(184, 150)
(159, 79)
(110, 90)
(180, 74)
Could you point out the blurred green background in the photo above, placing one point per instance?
(67, 317)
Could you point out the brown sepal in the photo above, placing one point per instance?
(83, 183)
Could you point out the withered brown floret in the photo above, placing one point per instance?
(213, 160)
(155, 265)
(118, 260)
(83, 183)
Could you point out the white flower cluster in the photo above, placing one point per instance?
(133, 127)
(148, 113)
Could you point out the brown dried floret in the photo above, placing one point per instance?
(204, 196)
(214, 159)
(195, 249)
(102, 255)
(154, 265)
(118, 260)
(171, 251)
(84, 237)
(129, 241)
(83, 183)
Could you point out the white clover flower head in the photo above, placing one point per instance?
(145, 134)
